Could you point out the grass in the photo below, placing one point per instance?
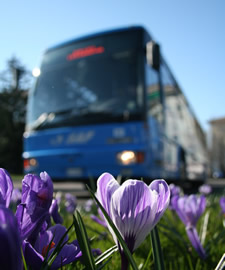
(17, 177)
(177, 250)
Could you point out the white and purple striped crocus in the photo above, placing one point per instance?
(6, 187)
(189, 209)
(134, 207)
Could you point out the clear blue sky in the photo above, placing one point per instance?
(191, 34)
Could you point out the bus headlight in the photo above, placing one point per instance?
(130, 157)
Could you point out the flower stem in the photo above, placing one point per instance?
(124, 261)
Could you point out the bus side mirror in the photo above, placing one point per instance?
(153, 54)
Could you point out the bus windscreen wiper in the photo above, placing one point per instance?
(55, 118)
(42, 120)
(48, 117)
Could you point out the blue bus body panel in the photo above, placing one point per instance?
(88, 151)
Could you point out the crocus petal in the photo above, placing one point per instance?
(54, 212)
(10, 256)
(222, 204)
(195, 241)
(54, 233)
(71, 202)
(6, 187)
(58, 231)
(37, 193)
(174, 190)
(88, 205)
(32, 257)
(205, 189)
(189, 208)
(195, 206)
(179, 207)
(136, 208)
(99, 221)
(40, 188)
(68, 254)
(192, 209)
(49, 240)
(106, 186)
(163, 196)
(202, 205)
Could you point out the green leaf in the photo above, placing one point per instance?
(104, 264)
(117, 233)
(24, 262)
(214, 240)
(190, 263)
(221, 264)
(157, 252)
(204, 227)
(106, 254)
(148, 259)
(181, 245)
(83, 241)
(46, 260)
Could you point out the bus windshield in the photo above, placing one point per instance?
(86, 84)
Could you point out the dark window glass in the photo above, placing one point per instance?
(154, 105)
(103, 86)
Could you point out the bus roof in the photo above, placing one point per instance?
(96, 34)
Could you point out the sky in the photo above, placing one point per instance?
(191, 34)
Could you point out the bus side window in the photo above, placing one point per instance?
(173, 110)
(153, 103)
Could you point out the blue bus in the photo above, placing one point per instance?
(109, 102)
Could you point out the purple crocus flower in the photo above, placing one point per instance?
(37, 193)
(54, 212)
(222, 204)
(49, 240)
(134, 207)
(205, 189)
(10, 255)
(6, 187)
(71, 202)
(174, 190)
(189, 209)
(88, 205)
